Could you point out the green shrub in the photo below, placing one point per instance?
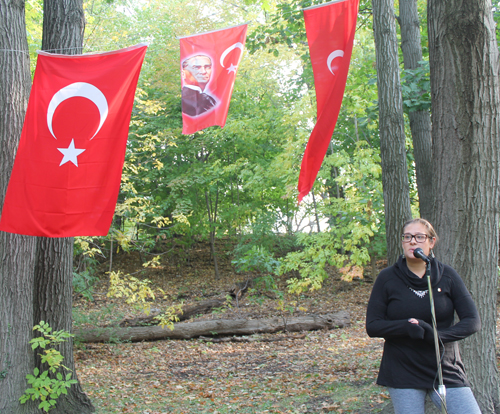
(47, 386)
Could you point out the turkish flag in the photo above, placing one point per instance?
(67, 172)
(330, 32)
(209, 62)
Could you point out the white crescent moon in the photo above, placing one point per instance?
(83, 90)
(229, 49)
(333, 55)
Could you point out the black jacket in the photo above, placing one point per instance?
(409, 358)
(195, 102)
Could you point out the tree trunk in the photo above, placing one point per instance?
(391, 126)
(466, 138)
(53, 304)
(212, 219)
(186, 313)
(188, 330)
(63, 26)
(420, 121)
(16, 320)
(16, 252)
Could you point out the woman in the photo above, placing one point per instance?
(399, 311)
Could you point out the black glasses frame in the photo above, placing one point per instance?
(405, 238)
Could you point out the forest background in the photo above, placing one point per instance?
(239, 182)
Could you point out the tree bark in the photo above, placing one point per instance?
(63, 27)
(420, 120)
(188, 330)
(16, 320)
(212, 220)
(391, 126)
(53, 304)
(16, 252)
(466, 137)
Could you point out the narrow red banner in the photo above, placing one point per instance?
(330, 32)
(209, 63)
(68, 167)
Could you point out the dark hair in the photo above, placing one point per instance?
(430, 230)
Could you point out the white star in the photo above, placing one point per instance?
(70, 153)
(232, 68)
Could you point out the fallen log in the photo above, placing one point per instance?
(216, 328)
(237, 292)
(252, 338)
(187, 312)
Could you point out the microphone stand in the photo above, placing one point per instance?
(441, 387)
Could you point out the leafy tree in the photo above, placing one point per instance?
(168, 177)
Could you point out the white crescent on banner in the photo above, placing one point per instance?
(237, 45)
(333, 55)
(83, 90)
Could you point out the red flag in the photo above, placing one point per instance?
(68, 167)
(330, 32)
(209, 62)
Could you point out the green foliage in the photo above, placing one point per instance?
(356, 221)
(139, 292)
(257, 259)
(169, 316)
(108, 315)
(85, 262)
(134, 290)
(83, 283)
(416, 88)
(168, 177)
(266, 231)
(496, 17)
(47, 386)
(34, 26)
(246, 172)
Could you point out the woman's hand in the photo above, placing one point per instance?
(413, 320)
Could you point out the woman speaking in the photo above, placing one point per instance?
(399, 311)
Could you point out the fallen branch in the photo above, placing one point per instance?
(252, 338)
(237, 292)
(187, 312)
(216, 328)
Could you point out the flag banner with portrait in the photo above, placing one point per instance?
(330, 32)
(209, 62)
(67, 172)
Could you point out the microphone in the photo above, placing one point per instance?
(419, 253)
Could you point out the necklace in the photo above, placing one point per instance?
(420, 293)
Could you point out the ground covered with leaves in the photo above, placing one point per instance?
(302, 372)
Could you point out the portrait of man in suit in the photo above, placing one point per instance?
(196, 73)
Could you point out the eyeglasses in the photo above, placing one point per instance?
(419, 238)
